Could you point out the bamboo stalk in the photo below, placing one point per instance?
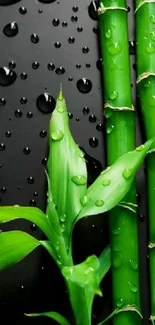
(120, 138)
(145, 50)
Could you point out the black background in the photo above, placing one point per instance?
(35, 285)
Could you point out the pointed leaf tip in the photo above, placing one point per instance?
(60, 95)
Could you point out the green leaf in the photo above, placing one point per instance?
(49, 247)
(51, 314)
(105, 262)
(14, 246)
(66, 168)
(114, 182)
(35, 215)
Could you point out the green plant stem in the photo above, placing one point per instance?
(145, 50)
(120, 138)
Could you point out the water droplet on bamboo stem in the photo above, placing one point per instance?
(133, 287)
(120, 303)
(63, 218)
(152, 35)
(108, 34)
(114, 48)
(110, 129)
(113, 95)
(108, 112)
(150, 48)
(133, 264)
(117, 230)
(152, 19)
(117, 260)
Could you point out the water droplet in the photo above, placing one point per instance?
(117, 230)
(127, 173)
(43, 133)
(2, 101)
(152, 35)
(99, 203)
(117, 259)
(33, 227)
(11, 29)
(57, 45)
(79, 180)
(30, 180)
(22, 10)
(133, 264)
(108, 34)
(74, 19)
(12, 64)
(92, 10)
(95, 30)
(44, 161)
(120, 303)
(110, 129)
(51, 66)
(56, 22)
(113, 95)
(133, 287)
(2, 146)
(80, 29)
(99, 127)
(140, 148)
(26, 150)
(85, 49)
(45, 103)
(23, 100)
(40, 11)
(35, 194)
(84, 85)
(46, 1)
(60, 70)
(92, 118)
(71, 40)
(57, 135)
(3, 189)
(84, 201)
(8, 2)
(88, 65)
(93, 142)
(70, 115)
(34, 38)
(23, 75)
(8, 134)
(85, 110)
(62, 227)
(108, 112)
(18, 113)
(64, 24)
(32, 203)
(29, 115)
(77, 119)
(152, 19)
(114, 48)
(7, 76)
(70, 78)
(99, 64)
(35, 65)
(128, 8)
(78, 66)
(141, 217)
(63, 218)
(106, 182)
(132, 48)
(150, 48)
(75, 8)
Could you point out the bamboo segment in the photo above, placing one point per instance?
(145, 39)
(120, 138)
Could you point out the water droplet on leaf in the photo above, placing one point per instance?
(127, 173)
(106, 182)
(99, 203)
(140, 148)
(79, 180)
(57, 135)
(84, 201)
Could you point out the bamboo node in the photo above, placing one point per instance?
(142, 3)
(151, 245)
(130, 308)
(102, 9)
(118, 108)
(144, 75)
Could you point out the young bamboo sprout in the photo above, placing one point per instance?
(68, 203)
(120, 138)
(145, 50)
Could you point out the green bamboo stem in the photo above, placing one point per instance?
(120, 138)
(145, 38)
